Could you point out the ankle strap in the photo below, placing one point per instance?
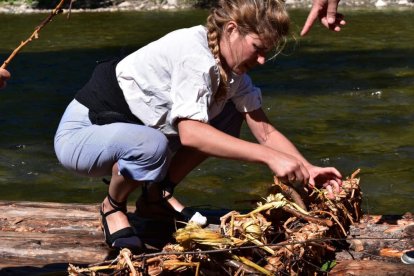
(119, 206)
(165, 185)
(168, 185)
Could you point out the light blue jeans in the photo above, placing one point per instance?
(142, 153)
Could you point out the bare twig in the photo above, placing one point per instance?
(355, 173)
(57, 10)
(290, 193)
(333, 217)
(321, 221)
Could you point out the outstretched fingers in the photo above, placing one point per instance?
(337, 22)
(313, 15)
(329, 178)
(333, 187)
(331, 11)
(326, 12)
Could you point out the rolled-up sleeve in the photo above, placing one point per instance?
(190, 90)
(247, 97)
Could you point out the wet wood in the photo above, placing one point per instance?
(44, 237)
(38, 234)
(383, 238)
(374, 268)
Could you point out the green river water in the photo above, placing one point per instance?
(345, 99)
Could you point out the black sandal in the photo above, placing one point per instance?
(123, 238)
(153, 203)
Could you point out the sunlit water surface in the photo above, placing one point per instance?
(345, 99)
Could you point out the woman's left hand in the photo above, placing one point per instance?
(328, 177)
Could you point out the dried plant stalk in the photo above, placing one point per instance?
(297, 214)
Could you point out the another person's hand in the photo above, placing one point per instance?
(326, 11)
(329, 178)
(4, 76)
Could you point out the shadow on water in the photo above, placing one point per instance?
(43, 83)
(31, 106)
(307, 73)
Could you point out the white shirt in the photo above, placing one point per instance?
(175, 77)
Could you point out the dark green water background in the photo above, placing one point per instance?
(345, 99)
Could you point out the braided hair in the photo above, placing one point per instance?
(266, 18)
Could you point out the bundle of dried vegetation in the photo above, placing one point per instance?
(288, 233)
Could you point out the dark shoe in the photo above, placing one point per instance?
(123, 238)
(153, 203)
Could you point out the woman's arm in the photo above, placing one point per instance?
(212, 142)
(268, 136)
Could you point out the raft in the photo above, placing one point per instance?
(39, 238)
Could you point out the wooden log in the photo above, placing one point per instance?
(44, 237)
(38, 234)
(383, 238)
(374, 268)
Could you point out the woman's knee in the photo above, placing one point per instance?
(154, 148)
(148, 159)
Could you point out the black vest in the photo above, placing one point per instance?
(104, 98)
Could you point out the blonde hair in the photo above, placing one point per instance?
(266, 18)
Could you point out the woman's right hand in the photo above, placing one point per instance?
(4, 76)
(288, 168)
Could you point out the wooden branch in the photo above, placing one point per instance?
(57, 10)
(290, 193)
(321, 221)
